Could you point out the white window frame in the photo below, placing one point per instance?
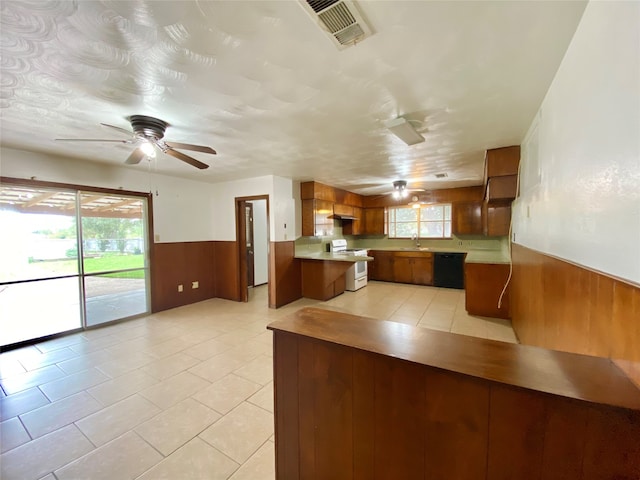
(392, 224)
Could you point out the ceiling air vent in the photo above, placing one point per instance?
(441, 175)
(340, 19)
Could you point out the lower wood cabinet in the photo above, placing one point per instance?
(323, 279)
(402, 267)
(483, 285)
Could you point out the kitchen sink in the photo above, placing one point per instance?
(415, 249)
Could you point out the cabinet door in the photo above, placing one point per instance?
(496, 219)
(308, 218)
(353, 227)
(502, 161)
(422, 270)
(374, 221)
(382, 268)
(467, 218)
(403, 269)
(323, 222)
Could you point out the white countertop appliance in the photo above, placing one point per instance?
(356, 276)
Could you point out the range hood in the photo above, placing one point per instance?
(343, 212)
(343, 217)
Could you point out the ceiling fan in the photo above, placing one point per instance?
(147, 135)
(401, 191)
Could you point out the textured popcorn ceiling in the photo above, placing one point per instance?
(263, 85)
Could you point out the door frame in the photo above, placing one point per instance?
(241, 242)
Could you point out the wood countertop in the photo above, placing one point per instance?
(591, 379)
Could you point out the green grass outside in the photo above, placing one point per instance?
(103, 263)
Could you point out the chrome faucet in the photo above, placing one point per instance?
(415, 238)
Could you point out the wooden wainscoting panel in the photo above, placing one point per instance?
(227, 270)
(612, 449)
(559, 305)
(285, 382)
(600, 308)
(181, 263)
(564, 438)
(625, 322)
(363, 412)
(285, 284)
(456, 421)
(306, 407)
(331, 408)
(399, 432)
(516, 434)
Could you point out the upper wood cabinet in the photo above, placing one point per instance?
(353, 227)
(502, 162)
(317, 218)
(502, 188)
(342, 210)
(496, 219)
(317, 191)
(373, 221)
(467, 218)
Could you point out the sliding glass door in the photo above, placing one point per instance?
(39, 278)
(69, 260)
(114, 258)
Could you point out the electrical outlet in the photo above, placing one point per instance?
(195, 284)
(180, 288)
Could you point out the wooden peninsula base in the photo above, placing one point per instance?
(357, 398)
(323, 279)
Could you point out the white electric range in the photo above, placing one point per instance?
(356, 276)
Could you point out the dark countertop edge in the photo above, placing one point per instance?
(581, 377)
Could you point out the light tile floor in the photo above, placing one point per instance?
(181, 394)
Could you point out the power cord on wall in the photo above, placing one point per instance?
(504, 289)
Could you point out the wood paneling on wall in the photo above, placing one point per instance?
(285, 283)
(445, 195)
(181, 264)
(562, 306)
(227, 270)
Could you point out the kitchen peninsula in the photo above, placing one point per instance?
(357, 397)
(323, 273)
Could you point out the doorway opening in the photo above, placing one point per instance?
(252, 233)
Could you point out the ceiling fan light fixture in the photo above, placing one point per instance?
(400, 189)
(147, 148)
(402, 129)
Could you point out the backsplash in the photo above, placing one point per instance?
(475, 242)
(466, 243)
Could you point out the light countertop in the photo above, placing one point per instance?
(332, 257)
(473, 256)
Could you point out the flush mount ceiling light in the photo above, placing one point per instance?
(400, 189)
(402, 129)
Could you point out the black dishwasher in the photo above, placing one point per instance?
(448, 270)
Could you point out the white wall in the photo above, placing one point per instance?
(181, 207)
(281, 206)
(582, 201)
(260, 242)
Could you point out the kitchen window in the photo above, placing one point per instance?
(427, 221)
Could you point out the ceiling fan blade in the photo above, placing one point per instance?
(188, 146)
(122, 130)
(91, 140)
(136, 157)
(185, 158)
